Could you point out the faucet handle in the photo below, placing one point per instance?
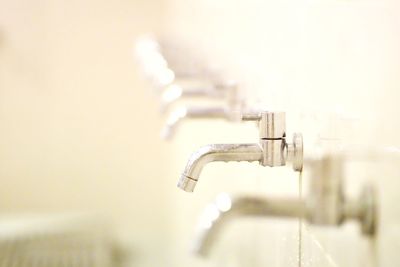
(272, 131)
(272, 125)
(252, 116)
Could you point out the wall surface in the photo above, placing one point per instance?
(333, 66)
(79, 128)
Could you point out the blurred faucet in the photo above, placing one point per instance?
(182, 113)
(272, 150)
(325, 204)
(213, 89)
(165, 68)
(179, 79)
(230, 110)
(163, 64)
(226, 209)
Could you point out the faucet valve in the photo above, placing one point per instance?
(272, 132)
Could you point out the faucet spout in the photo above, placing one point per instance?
(225, 209)
(216, 152)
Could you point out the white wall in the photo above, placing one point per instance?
(79, 129)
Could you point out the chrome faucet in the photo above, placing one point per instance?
(325, 204)
(226, 209)
(162, 65)
(230, 110)
(212, 89)
(272, 150)
(182, 113)
(177, 79)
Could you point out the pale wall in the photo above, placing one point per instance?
(79, 128)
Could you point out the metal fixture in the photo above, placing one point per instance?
(178, 79)
(226, 209)
(325, 204)
(272, 150)
(162, 64)
(230, 111)
(212, 89)
(177, 76)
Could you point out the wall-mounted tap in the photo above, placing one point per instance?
(152, 61)
(163, 65)
(177, 79)
(272, 150)
(226, 208)
(229, 110)
(324, 204)
(182, 113)
(175, 82)
(212, 89)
